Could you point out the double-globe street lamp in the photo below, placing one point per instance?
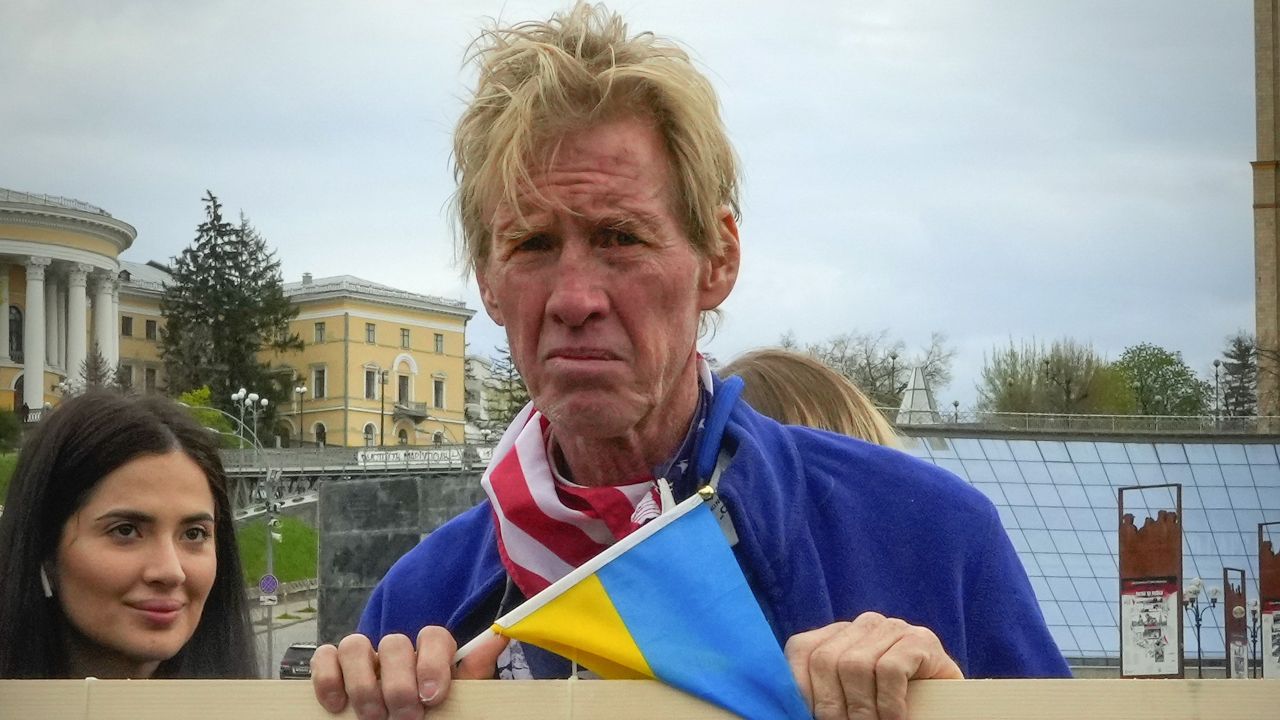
(256, 404)
(1195, 611)
(300, 391)
(252, 402)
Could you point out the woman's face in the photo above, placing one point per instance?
(135, 565)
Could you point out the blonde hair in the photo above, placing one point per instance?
(541, 80)
(796, 389)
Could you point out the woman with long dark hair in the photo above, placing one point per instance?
(117, 552)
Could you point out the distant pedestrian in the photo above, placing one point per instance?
(797, 389)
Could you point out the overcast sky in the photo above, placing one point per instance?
(991, 170)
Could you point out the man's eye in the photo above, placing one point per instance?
(534, 243)
(613, 237)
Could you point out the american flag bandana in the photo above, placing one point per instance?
(547, 525)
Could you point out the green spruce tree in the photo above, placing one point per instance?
(506, 393)
(1239, 376)
(224, 305)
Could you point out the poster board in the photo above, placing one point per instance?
(636, 700)
(1150, 564)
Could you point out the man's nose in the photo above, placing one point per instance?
(579, 290)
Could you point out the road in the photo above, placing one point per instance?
(286, 633)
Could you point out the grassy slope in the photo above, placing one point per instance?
(295, 556)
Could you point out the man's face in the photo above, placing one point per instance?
(598, 286)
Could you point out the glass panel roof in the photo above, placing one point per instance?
(1058, 501)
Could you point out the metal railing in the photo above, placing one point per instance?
(354, 460)
(1070, 423)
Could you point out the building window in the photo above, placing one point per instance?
(151, 329)
(150, 380)
(370, 432)
(403, 436)
(317, 383)
(370, 384)
(402, 389)
(439, 343)
(126, 326)
(15, 333)
(124, 376)
(404, 337)
(369, 334)
(319, 332)
(439, 394)
(321, 434)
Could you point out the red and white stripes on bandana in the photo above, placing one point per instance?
(547, 525)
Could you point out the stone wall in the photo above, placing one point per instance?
(366, 523)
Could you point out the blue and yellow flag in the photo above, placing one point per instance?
(668, 602)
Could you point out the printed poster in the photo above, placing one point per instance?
(1150, 643)
(1270, 640)
(1239, 660)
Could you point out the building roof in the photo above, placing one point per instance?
(351, 286)
(57, 201)
(63, 213)
(146, 277)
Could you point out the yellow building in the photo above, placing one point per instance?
(380, 366)
(141, 287)
(357, 336)
(59, 262)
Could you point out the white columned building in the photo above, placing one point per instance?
(56, 242)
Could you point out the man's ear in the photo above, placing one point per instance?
(720, 270)
(487, 296)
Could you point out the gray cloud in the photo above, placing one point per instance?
(989, 169)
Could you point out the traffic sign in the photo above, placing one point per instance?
(269, 584)
(268, 599)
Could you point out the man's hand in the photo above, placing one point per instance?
(859, 670)
(395, 681)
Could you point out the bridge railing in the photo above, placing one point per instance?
(1069, 423)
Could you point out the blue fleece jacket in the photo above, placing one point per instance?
(829, 527)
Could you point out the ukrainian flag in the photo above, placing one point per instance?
(670, 603)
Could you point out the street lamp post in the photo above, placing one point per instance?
(301, 391)
(893, 373)
(1253, 637)
(237, 398)
(382, 411)
(1217, 395)
(243, 401)
(1195, 611)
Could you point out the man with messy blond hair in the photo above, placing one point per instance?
(598, 204)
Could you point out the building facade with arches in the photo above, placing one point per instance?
(381, 366)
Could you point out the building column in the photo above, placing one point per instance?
(50, 320)
(77, 319)
(33, 334)
(115, 325)
(4, 313)
(102, 320)
(59, 309)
